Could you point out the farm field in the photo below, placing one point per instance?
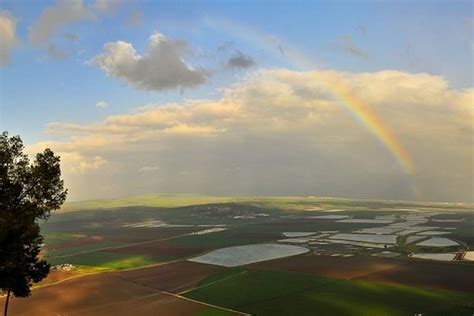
(141, 258)
(108, 294)
(270, 293)
(420, 273)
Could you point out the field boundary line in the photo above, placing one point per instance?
(210, 305)
(184, 297)
(153, 265)
(215, 282)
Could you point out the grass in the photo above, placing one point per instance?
(58, 237)
(105, 260)
(282, 293)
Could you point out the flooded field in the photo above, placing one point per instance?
(438, 242)
(298, 234)
(377, 239)
(435, 256)
(241, 255)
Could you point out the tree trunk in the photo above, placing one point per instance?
(5, 312)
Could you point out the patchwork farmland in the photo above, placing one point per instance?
(238, 256)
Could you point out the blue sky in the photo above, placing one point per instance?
(418, 36)
(60, 77)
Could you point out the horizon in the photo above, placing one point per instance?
(162, 194)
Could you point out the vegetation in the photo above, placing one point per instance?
(214, 312)
(28, 191)
(267, 202)
(283, 293)
(101, 239)
(106, 260)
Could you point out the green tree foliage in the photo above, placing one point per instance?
(29, 191)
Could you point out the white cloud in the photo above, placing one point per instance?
(101, 105)
(75, 163)
(8, 37)
(283, 132)
(55, 17)
(162, 68)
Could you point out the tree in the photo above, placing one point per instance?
(29, 191)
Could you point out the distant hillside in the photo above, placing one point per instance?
(269, 202)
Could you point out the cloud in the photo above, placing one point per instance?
(347, 44)
(8, 37)
(162, 68)
(76, 163)
(282, 132)
(240, 60)
(235, 57)
(53, 18)
(101, 105)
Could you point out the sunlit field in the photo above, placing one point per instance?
(160, 247)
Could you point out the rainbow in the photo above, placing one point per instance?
(370, 120)
(361, 111)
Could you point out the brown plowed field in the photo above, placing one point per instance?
(153, 305)
(338, 267)
(118, 293)
(132, 235)
(77, 242)
(55, 276)
(161, 249)
(445, 275)
(173, 277)
(147, 233)
(450, 276)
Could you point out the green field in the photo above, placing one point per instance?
(281, 293)
(59, 237)
(103, 260)
(97, 236)
(214, 312)
(102, 225)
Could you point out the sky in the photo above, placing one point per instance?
(357, 99)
